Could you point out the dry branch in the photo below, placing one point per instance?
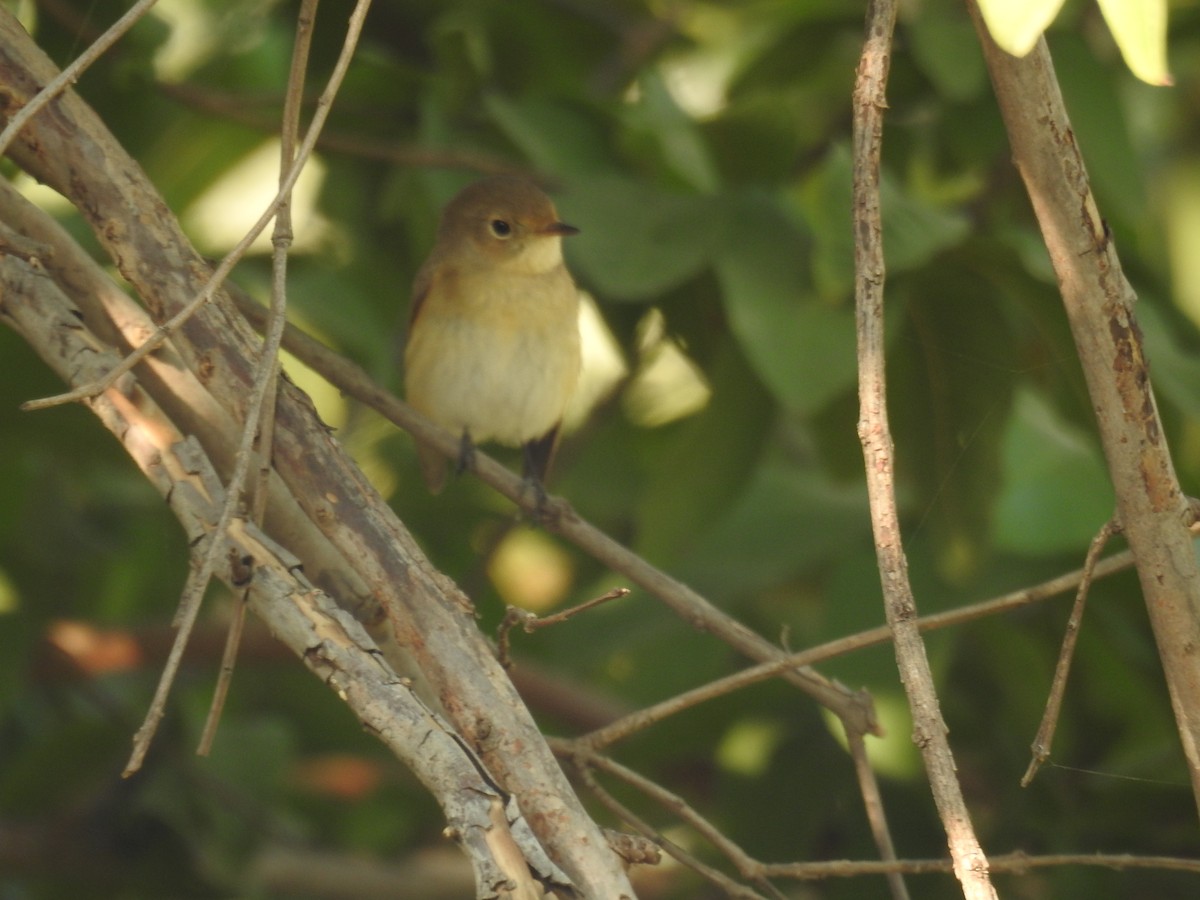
(1153, 512)
(324, 493)
(329, 641)
(854, 708)
(929, 728)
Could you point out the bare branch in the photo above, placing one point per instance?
(321, 488)
(218, 276)
(261, 389)
(1099, 301)
(259, 428)
(329, 641)
(929, 728)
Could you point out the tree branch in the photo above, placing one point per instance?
(929, 728)
(332, 644)
(67, 147)
(1152, 510)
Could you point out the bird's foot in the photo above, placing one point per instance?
(542, 511)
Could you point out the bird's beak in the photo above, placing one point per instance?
(562, 229)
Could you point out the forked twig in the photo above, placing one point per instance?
(530, 623)
(586, 762)
(1045, 733)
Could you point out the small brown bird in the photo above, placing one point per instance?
(493, 335)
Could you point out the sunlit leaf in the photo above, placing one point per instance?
(1016, 25)
(1140, 29)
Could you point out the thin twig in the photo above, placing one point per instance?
(644, 718)
(868, 786)
(1045, 733)
(71, 73)
(1017, 863)
(530, 623)
(929, 728)
(267, 372)
(748, 867)
(190, 601)
(221, 272)
(720, 879)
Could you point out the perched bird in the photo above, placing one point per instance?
(493, 337)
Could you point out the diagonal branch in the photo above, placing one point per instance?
(69, 148)
(853, 708)
(1153, 512)
(332, 644)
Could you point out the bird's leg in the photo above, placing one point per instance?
(466, 454)
(536, 455)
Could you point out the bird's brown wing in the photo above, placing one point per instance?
(433, 464)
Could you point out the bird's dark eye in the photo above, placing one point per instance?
(500, 228)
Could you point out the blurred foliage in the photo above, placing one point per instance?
(702, 147)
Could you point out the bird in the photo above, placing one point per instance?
(493, 349)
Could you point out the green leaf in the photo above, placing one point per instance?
(554, 136)
(802, 348)
(950, 385)
(636, 241)
(657, 120)
(1140, 29)
(1056, 493)
(946, 49)
(718, 448)
(787, 520)
(914, 231)
(1016, 25)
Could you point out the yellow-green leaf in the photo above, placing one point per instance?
(1017, 24)
(1140, 30)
